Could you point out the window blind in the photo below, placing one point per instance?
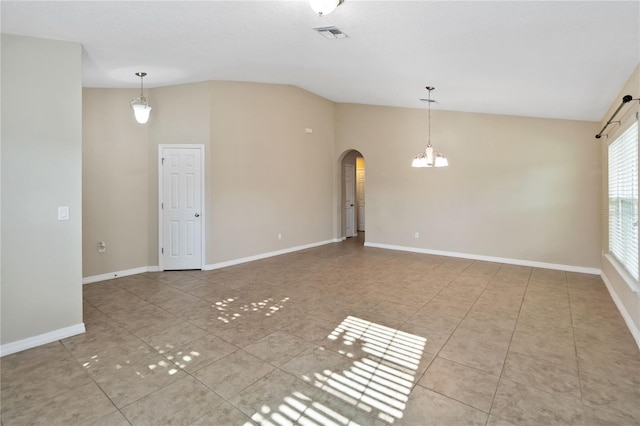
(623, 199)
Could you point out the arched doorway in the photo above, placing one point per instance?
(353, 211)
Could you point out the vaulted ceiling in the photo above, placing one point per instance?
(563, 60)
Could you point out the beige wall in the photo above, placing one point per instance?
(628, 301)
(268, 175)
(264, 173)
(516, 188)
(115, 191)
(41, 260)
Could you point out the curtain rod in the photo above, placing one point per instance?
(625, 99)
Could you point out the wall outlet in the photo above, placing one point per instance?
(279, 235)
(416, 235)
(102, 247)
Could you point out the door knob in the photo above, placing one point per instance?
(197, 214)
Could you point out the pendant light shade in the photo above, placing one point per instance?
(324, 7)
(430, 158)
(141, 112)
(140, 106)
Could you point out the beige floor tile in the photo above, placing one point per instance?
(478, 346)
(14, 366)
(309, 329)
(224, 414)
(464, 384)
(434, 341)
(114, 419)
(495, 421)
(607, 417)
(490, 333)
(615, 339)
(181, 402)
(548, 275)
(545, 349)
(172, 336)
(395, 310)
(438, 322)
(316, 364)
(506, 299)
(187, 284)
(193, 355)
(426, 408)
(609, 364)
(80, 406)
(496, 317)
(110, 362)
(47, 379)
(246, 332)
(413, 296)
(545, 329)
(513, 273)
(610, 393)
(130, 382)
(335, 403)
(277, 348)
(113, 341)
(473, 315)
(233, 373)
(543, 375)
(524, 405)
(381, 319)
(274, 394)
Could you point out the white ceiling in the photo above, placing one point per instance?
(532, 58)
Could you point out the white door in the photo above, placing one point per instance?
(181, 208)
(360, 197)
(349, 191)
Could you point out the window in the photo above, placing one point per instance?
(623, 199)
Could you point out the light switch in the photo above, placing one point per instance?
(63, 213)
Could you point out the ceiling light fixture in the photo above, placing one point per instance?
(140, 106)
(430, 158)
(324, 7)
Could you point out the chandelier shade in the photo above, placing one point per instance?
(141, 112)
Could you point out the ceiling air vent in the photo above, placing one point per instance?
(331, 32)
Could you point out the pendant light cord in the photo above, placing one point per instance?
(429, 88)
(429, 141)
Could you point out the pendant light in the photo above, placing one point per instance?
(141, 108)
(430, 158)
(324, 7)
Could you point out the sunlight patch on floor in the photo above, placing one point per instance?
(378, 382)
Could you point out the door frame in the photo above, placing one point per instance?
(161, 148)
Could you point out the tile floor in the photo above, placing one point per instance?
(336, 335)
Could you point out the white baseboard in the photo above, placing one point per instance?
(625, 315)
(559, 267)
(112, 275)
(41, 339)
(269, 254)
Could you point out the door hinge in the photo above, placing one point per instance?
(162, 162)
(161, 206)
(162, 250)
